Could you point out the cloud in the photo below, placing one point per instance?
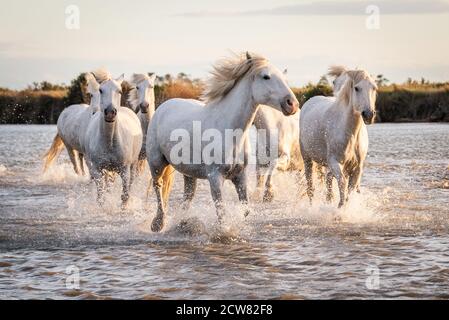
(335, 8)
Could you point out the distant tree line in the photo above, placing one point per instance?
(41, 103)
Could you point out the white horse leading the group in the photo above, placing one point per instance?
(113, 138)
(333, 132)
(235, 90)
(72, 124)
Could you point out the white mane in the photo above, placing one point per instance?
(354, 77)
(228, 71)
(102, 75)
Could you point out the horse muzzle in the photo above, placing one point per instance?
(144, 107)
(368, 116)
(289, 106)
(110, 114)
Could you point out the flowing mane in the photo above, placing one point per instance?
(227, 72)
(136, 78)
(101, 75)
(354, 77)
(336, 71)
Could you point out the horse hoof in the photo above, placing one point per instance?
(157, 224)
(268, 196)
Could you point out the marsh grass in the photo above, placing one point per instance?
(409, 102)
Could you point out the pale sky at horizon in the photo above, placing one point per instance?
(187, 36)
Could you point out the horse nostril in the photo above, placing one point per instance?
(289, 102)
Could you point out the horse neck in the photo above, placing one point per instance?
(352, 122)
(238, 109)
(108, 131)
(94, 105)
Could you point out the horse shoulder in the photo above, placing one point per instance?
(129, 122)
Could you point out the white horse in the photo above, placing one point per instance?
(339, 74)
(273, 126)
(71, 125)
(332, 132)
(141, 99)
(113, 138)
(235, 90)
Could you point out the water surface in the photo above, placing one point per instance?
(398, 229)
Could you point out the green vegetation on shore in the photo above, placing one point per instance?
(42, 102)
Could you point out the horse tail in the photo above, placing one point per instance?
(167, 183)
(53, 152)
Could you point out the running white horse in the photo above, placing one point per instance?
(113, 138)
(340, 76)
(280, 134)
(330, 133)
(141, 99)
(71, 125)
(214, 136)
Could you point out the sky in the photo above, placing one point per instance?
(409, 38)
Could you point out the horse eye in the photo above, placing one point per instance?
(266, 77)
(101, 91)
(357, 89)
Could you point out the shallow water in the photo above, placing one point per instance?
(390, 242)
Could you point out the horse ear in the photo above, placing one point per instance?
(248, 56)
(152, 76)
(121, 78)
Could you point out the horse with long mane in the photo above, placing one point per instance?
(333, 132)
(71, 125)
(113, 138)
(213, 135)
(339, 75)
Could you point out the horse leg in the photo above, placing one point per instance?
(99, 178)
(337, 170)
(354, 180)
(269, 193)
(329, 180)
(241, 186)
(260, 176)
(216, 181)
(134, 169)
(125, 174)
(282, 163)
(157, 168)
(81, 163)
(308, 168)
(189, 191)
(73, 155)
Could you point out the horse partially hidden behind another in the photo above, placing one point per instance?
(333, 131)
(234, 92)
(113, 139)
(141, 99)
(280, 130)
(72, 125)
